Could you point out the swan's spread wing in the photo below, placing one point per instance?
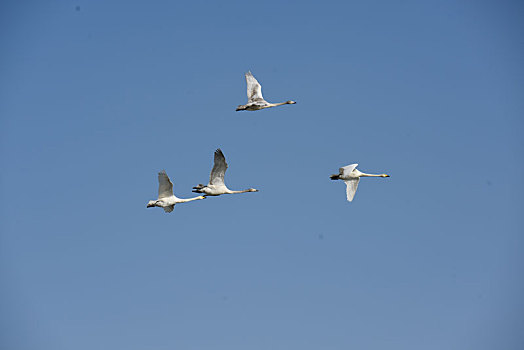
(351, 188)
(219, 169)
(346, 170)
(254, 90)
(169, 208)
(165, 186)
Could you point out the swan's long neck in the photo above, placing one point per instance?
(281, 103)
(180, 200)
(373, 175)
(242, 191)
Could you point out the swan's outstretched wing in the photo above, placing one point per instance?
(254, 89)
(219, 169)
(346, 170)
(169, 208)
(351, 188)
(165, 186)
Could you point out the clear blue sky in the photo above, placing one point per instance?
(97, 97)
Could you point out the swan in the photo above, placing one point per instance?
(216, 185)
(351, 177)
(255, 101)
(166, 198)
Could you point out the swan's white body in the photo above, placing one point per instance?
(216, 185)
(166, 198)
(255, 101)
(351, 177)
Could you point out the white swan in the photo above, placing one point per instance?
(216, 185)
(351, 177)
(255, 101)
(166, 198)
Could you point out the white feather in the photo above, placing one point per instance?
(346, 170)
(351, 188)
(254, 89)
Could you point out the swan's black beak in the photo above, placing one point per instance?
(150, 205)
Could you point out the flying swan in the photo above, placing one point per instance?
(351, 177)
(166, 198)
(255, 101)
(216, 185)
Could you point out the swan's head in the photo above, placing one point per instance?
(201, 197)
(151, 204)
(241, 108)
(384, 175)
(290, 102)
(252, 190)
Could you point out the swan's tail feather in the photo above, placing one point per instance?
(334, 177)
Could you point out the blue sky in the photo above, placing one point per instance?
(97, 97)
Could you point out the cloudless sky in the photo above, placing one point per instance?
(96, 97)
